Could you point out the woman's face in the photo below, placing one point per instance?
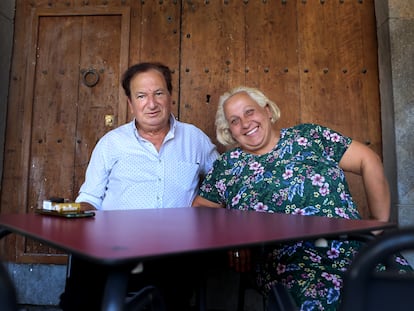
(250, 124)
(150, 101)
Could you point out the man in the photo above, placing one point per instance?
(153, 161)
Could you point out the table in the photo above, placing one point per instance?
(150, 233)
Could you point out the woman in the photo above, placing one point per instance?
(299, 170)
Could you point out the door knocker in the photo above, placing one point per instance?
(90, 77)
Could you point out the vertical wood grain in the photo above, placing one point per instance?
(316, 59)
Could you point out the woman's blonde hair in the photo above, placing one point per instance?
(223, 132)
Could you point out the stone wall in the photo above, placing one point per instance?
(395, 30)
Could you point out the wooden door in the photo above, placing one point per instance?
(73, 97)
(213, 58)
(316, 59)
(155, 36)
(338, 69)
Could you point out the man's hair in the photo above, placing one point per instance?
(144, 67)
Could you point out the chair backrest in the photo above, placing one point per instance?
(8, 296)
(366, 289)
(148, 298)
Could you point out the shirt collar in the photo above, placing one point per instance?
(170, 134)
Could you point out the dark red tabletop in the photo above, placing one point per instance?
(122, 236)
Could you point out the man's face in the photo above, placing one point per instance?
(150, 101)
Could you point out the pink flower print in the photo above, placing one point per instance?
(256, 167)
(332, 277)
(315, 258)
(326, 134)
(221, 186)
(260, 207)
(327, 276)
(235, 200)
(302, 141)
(333, 253)
(208, 188)
(298, 211)
(335, 137)
(324, 190)
(287, 174)
(235, 154)
(280, 268)
(341, 212)
(317, 180)
(335, 281)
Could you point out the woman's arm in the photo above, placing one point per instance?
(200, 201)
(361, 160)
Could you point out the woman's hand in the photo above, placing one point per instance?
(240, 259)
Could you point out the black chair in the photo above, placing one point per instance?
(8, 296)
(366, 289)
(148, 298)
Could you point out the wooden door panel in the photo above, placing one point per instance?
(65, 114)
(271, 58)
(100, 56)
(370, 91)
(54, 114)
(335, 77)
(333, 68)
(155, 36)
(319, 66)
(212, 59)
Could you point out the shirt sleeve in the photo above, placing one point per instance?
(331, 143)
(210, 155)
(212, 188)
(335, 144)
(93, 189)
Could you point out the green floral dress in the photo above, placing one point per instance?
(301, 175)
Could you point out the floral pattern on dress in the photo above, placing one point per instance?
(301, 175)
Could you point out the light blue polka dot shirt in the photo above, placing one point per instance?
(125, 171)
